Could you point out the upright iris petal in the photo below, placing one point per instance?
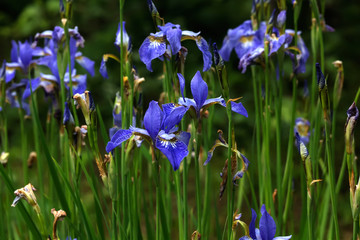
(173, 36)
(199, 89)
(153, 119)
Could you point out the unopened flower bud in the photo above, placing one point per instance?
(353, 115)
(86, 103)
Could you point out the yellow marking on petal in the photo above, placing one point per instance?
(233, 100)
(246, 39)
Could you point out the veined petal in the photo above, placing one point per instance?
(182, 84)
(174, 150)
(199, 90)
(204, 48)
(239, 108)
(152, 47)
(119, 137)
(85, 63)
(173, 116)
(267, 225)
(211, 101)
(187, 102)
(153, 119)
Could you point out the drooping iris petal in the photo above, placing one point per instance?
(153, 47)
(226, 48)
(35, 84)
(153, 119)
(252, 224)
(85, 63)
(218, 143)
(119, 137)
(173, 149)
(199, 90)
(204, 48)
(182, 84)
(103, 69)
(266, 225)
(9, 74)
(239, 108)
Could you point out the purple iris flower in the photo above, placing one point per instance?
(168, 40)
(58, 35)
(276, 41)
(51, 83)
(299, 63)
(21, 59)
(243, 39)
(199, 90)
(160, 131)
(302, 126)
(266, 230)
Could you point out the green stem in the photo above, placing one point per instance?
(229, 175)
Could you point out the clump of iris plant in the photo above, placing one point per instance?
(160, 131)
(266, 230)
(167, 42)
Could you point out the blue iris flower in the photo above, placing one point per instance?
(266, 230)
(199, 90)
(21, 59)
(168, 40)
(299, 62)
(161, 131)
(243, 39)
(302, 127)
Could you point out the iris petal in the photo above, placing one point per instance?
(204, 48)
(152, 47)
(239, 108)
(174, 150)
(267, 225)
(118, 138)
(252, 224)
(199, 90)
(153, 119)
(182, 84)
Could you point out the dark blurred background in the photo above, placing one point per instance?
(98, 20)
